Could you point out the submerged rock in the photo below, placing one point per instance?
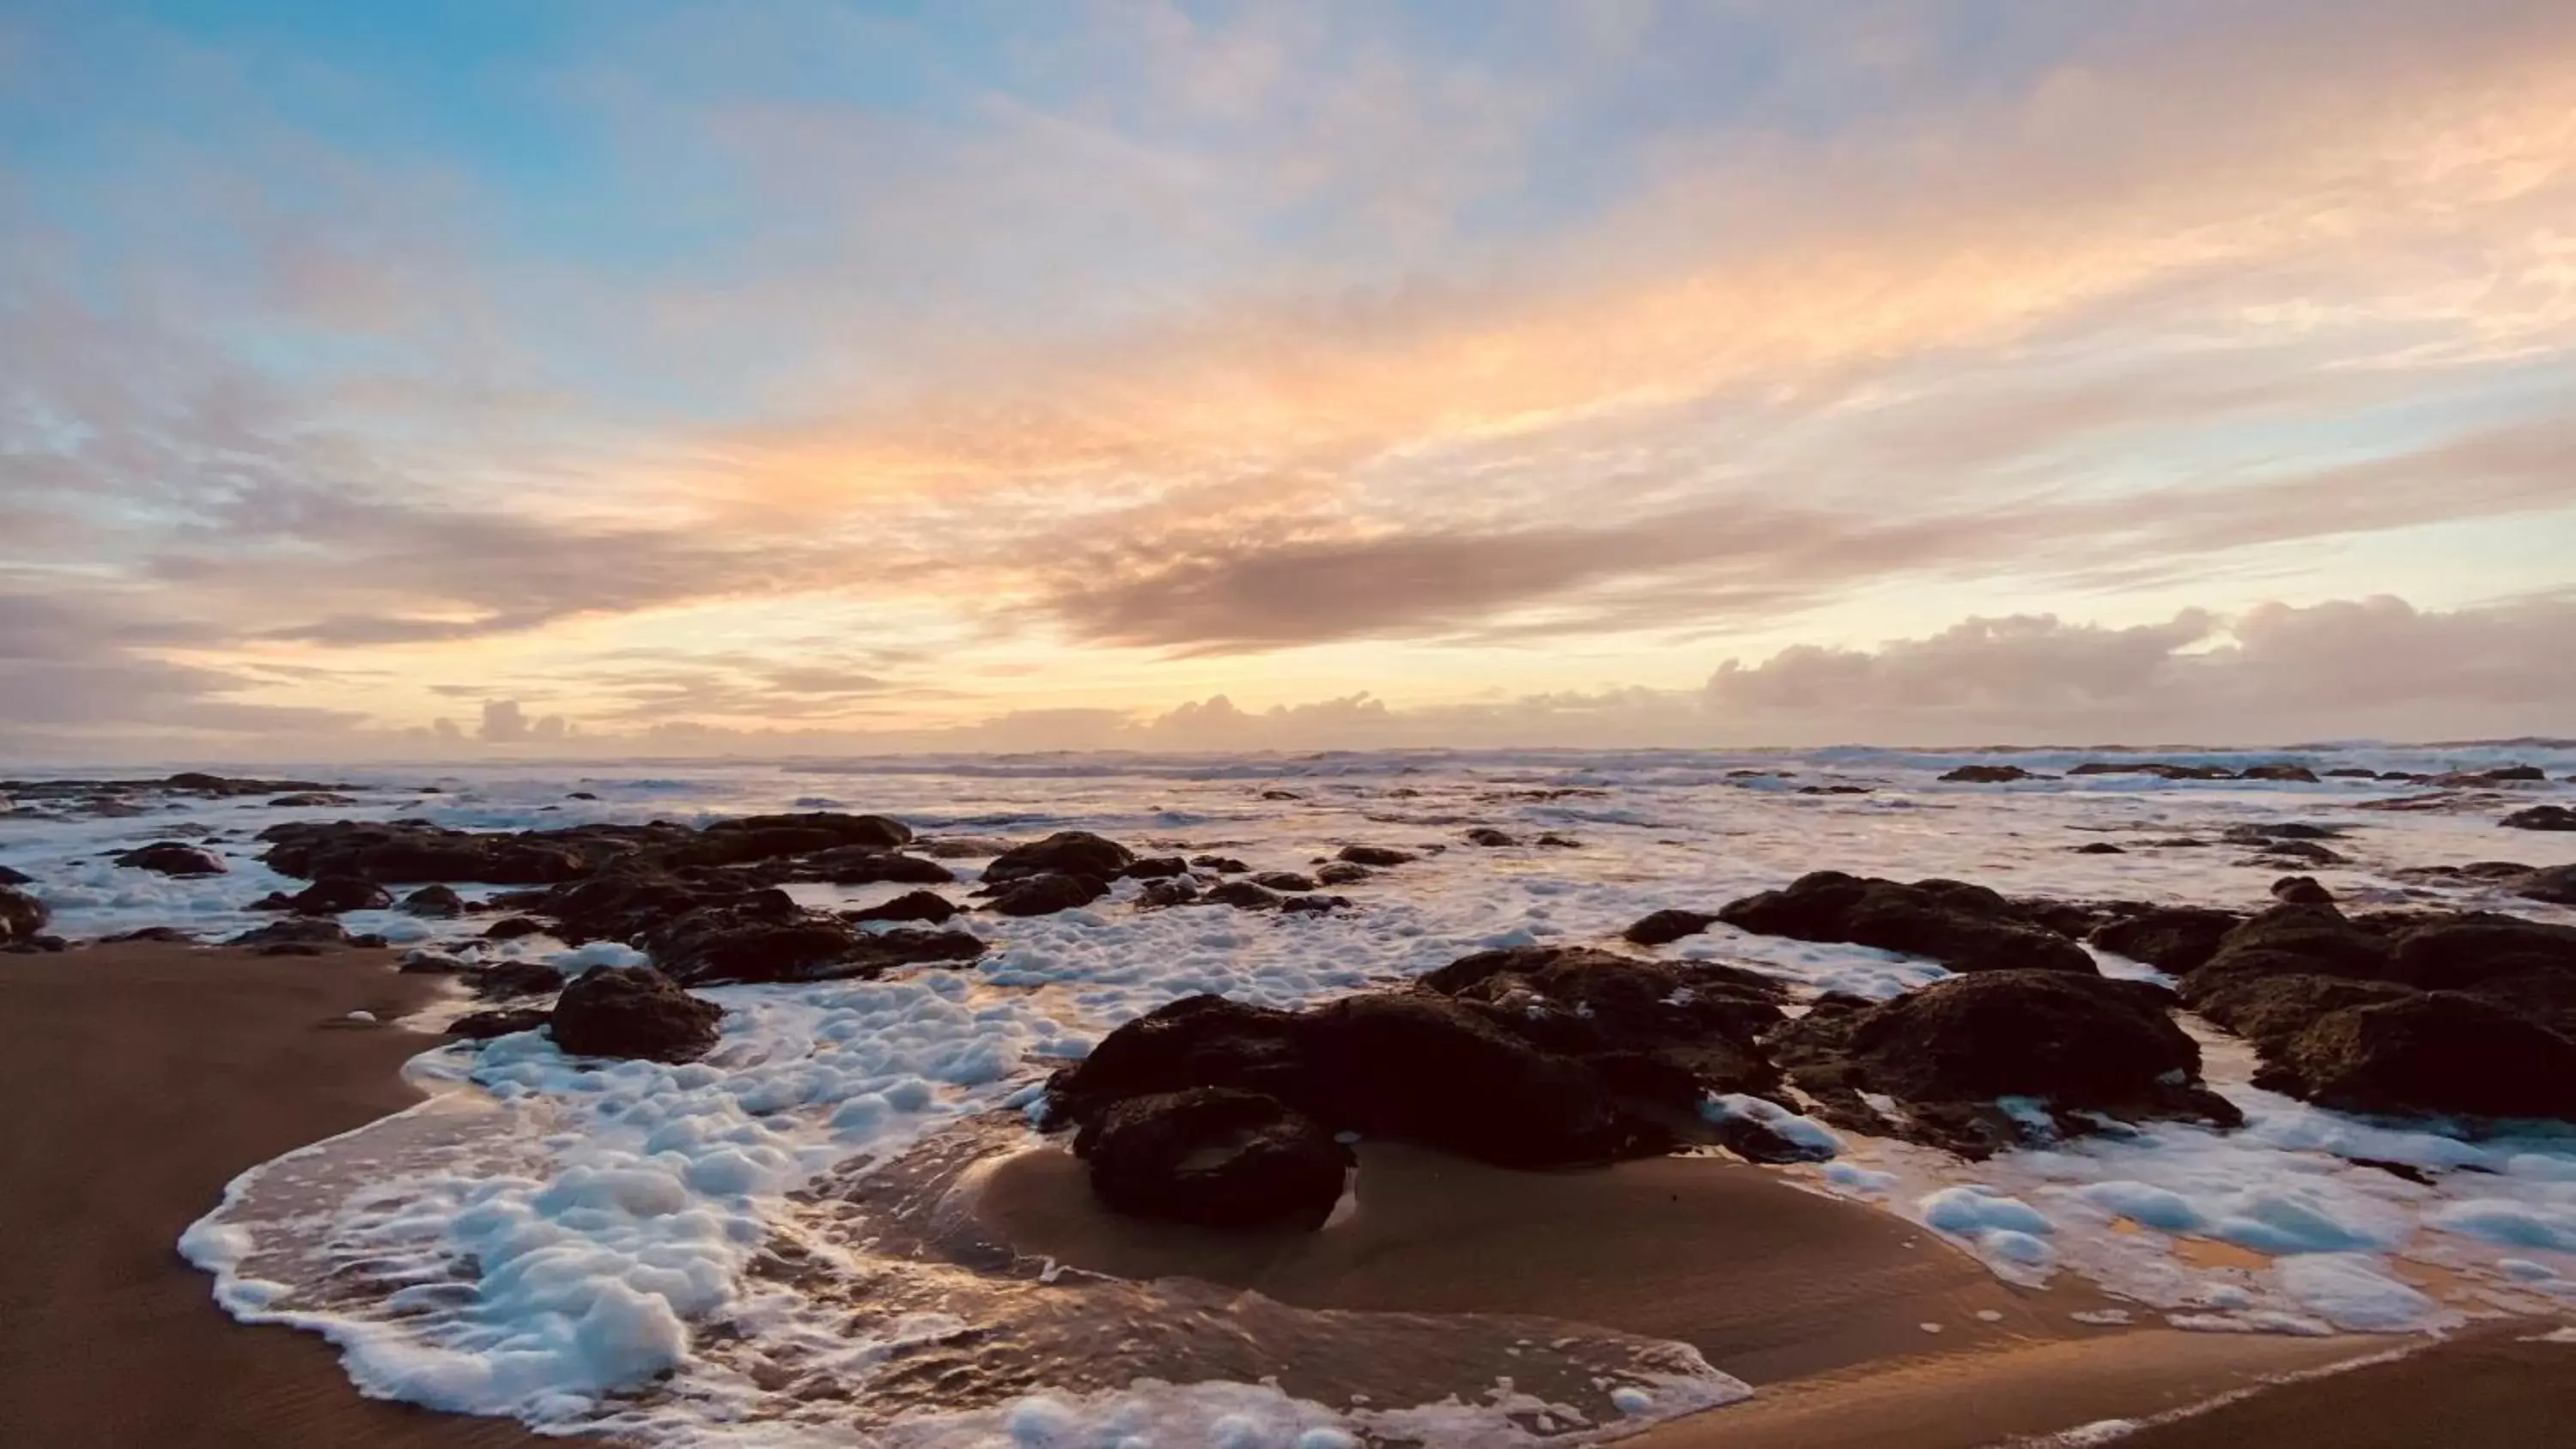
(169, 857)
(633, 1011)
(1490, 838)
(2542, 817)
(332, 895)
(2296, 774)
(1215, 1156)
(1988, 775)
(1243, 895)
(1156, 867)
(1964, 927)
(294, 931)
(1666, 926)
(1161, 893)
(1287, 882)
(1376, 855)
(1340, 872)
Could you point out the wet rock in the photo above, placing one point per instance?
(1216, 1157)
(2555, 885)
(1988, 775)
(334, 894)
(761, 936)
(169, 857)
(312, 800)
(1220, 864)
(2349, 772)
(504, 1021)
(863, 865)
(2434, 1051)
(1376, 855)
(633, 1012)
(1964, 927)
(2291, 940)
(1666, 926)
(2542, 817)
(961, 847)
(288, 948)
(1067, 852)
(2297, 774)
(1834, 790)
(435, 902)
(1046, 894)
(2098, 847)
(511, 928)
(1340, 872)
(164, 935)
(1490, 838)
(413, 852)
(772, 837)
(1313, 905)
(2506, 775)
(2465, 952)
(2279, 830)
(1243, 895)
(1664, 1033)
(295, 931)
(2269, 1010)
(910, 906)
(1284, 881)
(2302, 850)
(2178, 939)
(1281, 795)
(1948, 1051)
(2160, 769)
(2301, 890)
(580, 795)
(13, 877)
(1156, 867)
(22, 916)
(421, 962)
(501, 980)
(1558, 842)
(1174, 892)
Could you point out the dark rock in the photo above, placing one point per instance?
(501, 980)
(2098, 847)
(419, 962)
(1558, 842)
(1340, 872)
(2555, 885)
(2158, 768)
(1217, 1157)
(1046, 894)
(1965, 927)
(2434, 1051)
(2301, 890)
(580, 795)
(633, 1011)
(862, 865)
(761, 936)
(1834, 790)
(511, 928)
(1490, 838)
(1377, 855)
(1286, 881)
(434, 901)
(2465, 952)
(1314, 905)
(2542, 817)
(1699, 1020)
(1067, 852)
(1281, 795)
(1243, 895)
(2506, 775)
(332, 895)
(1987, 774)
(22, 916)
(1665, 926)
(770, 837)
(961, 847)
(2288, 939)
(2302, 850)
(295, 930)
(2298, 774)
(2279, 830)
(165, 935)
(2349, 772)
(413, 852)
(2269, 1010)
(1160, 893)
(2179, 939)
(910, 906)
(1221, 864)
(505, 1021)
(370, 941)
(288, 948)
(1156, 867)
(312, 800)
(169, 857)
(12, 877)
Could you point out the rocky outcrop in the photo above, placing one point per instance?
(329, 897)
(633, 1011)
(2433, 1051)
(1176, 892)
(413, 852)
(2078, 1045)
(22, 916)
(910, 906)
(1046, 893)
(2161, 769)
(2301, 890)
(169, 857)
(10, 876)
(315, 931)
(436, 902)
(1962, 926)
(1987, 775)
(2555, 885)
(765, 936)
(2178, 939)
(772, 837)
(1667, 926)
(1155, 867)
(2542, 817)
(1219, 864)
(1340, 872)
(2295, 774)
(851, 865)
(1214, 1156)
(1067, 852)
(1376, 855)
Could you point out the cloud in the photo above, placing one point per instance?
(506, 723)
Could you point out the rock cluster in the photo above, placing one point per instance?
(1964, 927)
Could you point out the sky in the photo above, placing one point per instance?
(543, 375)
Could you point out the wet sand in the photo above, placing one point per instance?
(140, 1079)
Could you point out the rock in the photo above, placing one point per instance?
(2293, 940)
(770, 837)
(332, 895)
(1314, 905)
(421, 962)
(2158, 768)
(2542, 817)
(2177, 939)
(295, 931)
(288, 948)
(2301, 890)
(1949, 1050)
(2506, 775)
(1698, 1021)
(910, 906)
(511, 928)
(10, 877)
(580, 795)
(2555, 885)
(1046, 894)
(1243, 895)
(1160, 893)
(1376, 855)
(413, 852)
(2349, 772)
(1216, 1157)
(1666, 926)
(961, 847)
(2304, 850)
(1284, 881)
(312, 800)
(1490, 838)
(22, 916)
(1558, 842)
(635, 1012)
(1221, 864)
(1964, 927)
(1281, 795)
(505, 1021)
(1067, 852)
(762, 936)
(501, 980)
(1156, 867)
(2434, 1051)
(165, 935)
(1987, 775)
(863, 865)
(1340, 872)
(2298, 774)
(1834, 790)
(2465, 952)
(435, 902)
(2098, 847)
(2279, 830)
(169, 857)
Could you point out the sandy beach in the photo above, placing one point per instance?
(143, 1078)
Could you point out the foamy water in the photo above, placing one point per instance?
(687, 1254)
